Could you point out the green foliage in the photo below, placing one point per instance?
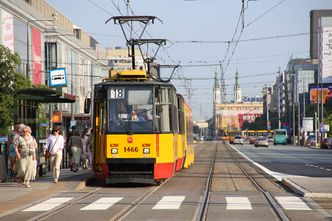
(10, 82)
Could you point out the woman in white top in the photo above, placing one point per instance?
(55, 145)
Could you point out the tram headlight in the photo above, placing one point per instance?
(146, 150)
(114, 150)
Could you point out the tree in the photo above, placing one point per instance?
(10, 82)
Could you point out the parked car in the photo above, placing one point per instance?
(270, 139)
(262, 141)
(238, 140)
(326, 143)
(252, 139)
(329, 143)
(311, 140)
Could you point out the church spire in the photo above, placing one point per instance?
(216, 89)
(237, 89)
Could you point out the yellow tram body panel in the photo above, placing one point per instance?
(126, 158)
(160, 146)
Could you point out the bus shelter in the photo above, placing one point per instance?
(27, 112)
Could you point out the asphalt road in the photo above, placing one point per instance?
(292, 160)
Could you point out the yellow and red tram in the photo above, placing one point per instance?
(142, 129)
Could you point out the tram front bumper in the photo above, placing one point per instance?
(130, 170)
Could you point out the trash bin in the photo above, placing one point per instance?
(3, 160)
(41, 160)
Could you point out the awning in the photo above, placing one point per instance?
(44, 95)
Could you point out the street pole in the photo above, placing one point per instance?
(293, 108)
(71, 88)
(279, 102)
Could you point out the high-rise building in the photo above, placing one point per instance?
(315, 16)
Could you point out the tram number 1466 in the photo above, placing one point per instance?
(130, 149)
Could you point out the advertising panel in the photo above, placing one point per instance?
(325, 54)
(7, 30)
(316, 92)
(250, 118)
(227, 122)
(36, 57)
(308, 124)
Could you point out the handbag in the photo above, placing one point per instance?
(48, 154)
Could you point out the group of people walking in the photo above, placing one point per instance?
(22, 154)
(79, 148)
(22, 149)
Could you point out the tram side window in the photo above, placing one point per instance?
(181, 116)
(102, 115)
(163, 112)
(175, 116)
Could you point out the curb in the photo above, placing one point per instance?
(302, 191)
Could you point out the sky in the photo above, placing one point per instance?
(199, 37)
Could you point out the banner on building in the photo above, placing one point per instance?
(319, 93)
(7, 30)
(250, 118)
(36, 57)
(325, 53)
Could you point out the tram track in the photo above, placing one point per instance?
(126, 211)
(204, 205)
(276, 209)
(117, 217)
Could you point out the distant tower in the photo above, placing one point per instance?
(216, 90)
(237, 89)
(223, 86)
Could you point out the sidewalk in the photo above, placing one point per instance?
(310, 186)
(14, 196)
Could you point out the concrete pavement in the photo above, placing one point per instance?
(310, 186)
(14, 196)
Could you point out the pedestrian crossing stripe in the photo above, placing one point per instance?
(169, 202)
(238, 203)
(103, 203)
(48, 204)
(292, 203)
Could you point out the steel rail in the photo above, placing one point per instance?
(56, 210)
(122, 214)
(126, 211)
(276, 209)
(206, 197)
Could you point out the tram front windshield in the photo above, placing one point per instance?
(130, 110)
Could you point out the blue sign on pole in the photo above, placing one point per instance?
(58, 77)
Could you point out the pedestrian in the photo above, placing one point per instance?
(25, 147)
(90, 134)
(85, 152)
(68, 148)
(12, 136)
(55, 144)
(76, 145)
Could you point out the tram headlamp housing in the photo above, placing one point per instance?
(146, 150)
(114, 150)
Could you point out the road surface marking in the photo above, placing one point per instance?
(292, 203)
(328, 169)
(48, 204)
(322, 168)
(238, 203)
(169, 202)
(103, 203)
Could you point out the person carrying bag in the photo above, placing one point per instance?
(56, 142)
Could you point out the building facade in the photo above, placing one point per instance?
(45, 39)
